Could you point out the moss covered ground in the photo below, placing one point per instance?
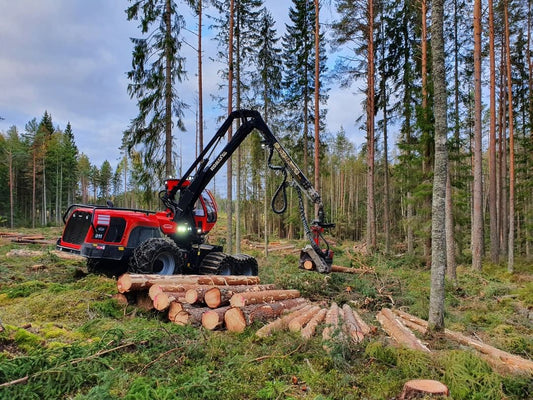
(66, 338)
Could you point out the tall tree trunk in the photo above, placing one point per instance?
(493, 210)
(386, 194)
(370, 208)
(168, 91)
(229, 188)
(44, 216)
(125, 167)
(438, 222)
(477, 216)
(426, 163)
(510, 250)
(451, 263)
(11, 188)
(317, 100)
(502, 150)
(239, 152)
(200, 82)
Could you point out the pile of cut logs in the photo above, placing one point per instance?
(234, 302)
(26, 239)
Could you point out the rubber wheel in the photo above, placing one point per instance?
(245, 265)
(109, 268)
(156, 256)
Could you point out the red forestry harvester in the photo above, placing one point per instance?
(115, 240)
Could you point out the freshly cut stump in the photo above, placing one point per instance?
(418, 388)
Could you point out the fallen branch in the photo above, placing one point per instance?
(71, 362)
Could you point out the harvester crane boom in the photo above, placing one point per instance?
(206, 168)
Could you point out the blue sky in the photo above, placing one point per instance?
(70, 57)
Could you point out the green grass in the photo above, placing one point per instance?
(70, 339)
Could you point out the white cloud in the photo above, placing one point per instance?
(70, 57)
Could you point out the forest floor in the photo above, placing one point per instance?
(64, 336)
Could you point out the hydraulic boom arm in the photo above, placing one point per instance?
(205, 168)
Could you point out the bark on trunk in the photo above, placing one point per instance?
(477, 216)
(309, 330)
(131, 282)
(440, 171)
(220, 296)
(266, 296)
(280, 323)
(214, 318)
(351, 327)
(397, 331)
(297, 323)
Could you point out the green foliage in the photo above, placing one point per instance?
(468, 377)
(80, 343)
(25, 289)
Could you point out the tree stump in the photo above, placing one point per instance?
(421, 388)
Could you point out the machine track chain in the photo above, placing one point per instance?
(245, 265)
(217, 263)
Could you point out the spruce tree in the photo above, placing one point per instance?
(157, 66)
(299, 77)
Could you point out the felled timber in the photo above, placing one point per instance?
(265, 296)
(130, 282)
(237, 318)
(280, 323)
(296, 324)
(162, 300)
(497, 358)
(351, 327)
(217, 296)
(332, 324)
(399, 332)
(309, 330)
(214, 318)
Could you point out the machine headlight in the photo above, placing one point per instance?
(183, 229)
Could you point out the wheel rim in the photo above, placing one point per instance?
(164, 264)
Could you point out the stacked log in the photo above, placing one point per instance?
(212, 301)
(236, 302)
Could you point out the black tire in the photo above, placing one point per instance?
(217, 263)
(246, 265)
(109, 268)
(156, 256)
